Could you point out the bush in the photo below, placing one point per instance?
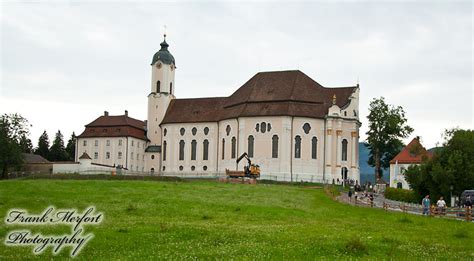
(356, 246)
(404, 195)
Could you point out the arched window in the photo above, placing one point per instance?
(193, 149)
(206, 130)
(171, 88)
(205, 148)
(275, 146)
(250, 146)
(223, 148)
(263, 126)
(233, 152)
(158, 87)
(181, 150)
(164, 151)
(314, 148)
(344, 149)
(297, 147)
(399, 185)
(194, 131)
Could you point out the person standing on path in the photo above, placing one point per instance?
(441, 204)
(350, 195)
(425, 203)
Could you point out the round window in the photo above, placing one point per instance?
(206, 130)
(181, 168)
(306, 128)
(193, 168)
(194, 130)
(182, 131)
(152, 156)
(204, 168)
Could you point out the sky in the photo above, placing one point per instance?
(63, 63)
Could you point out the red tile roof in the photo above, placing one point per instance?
(115, 126)
(411, 154)
(282, 93)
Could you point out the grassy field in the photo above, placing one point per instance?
(187, 220)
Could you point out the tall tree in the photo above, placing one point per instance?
(387, 126)
(71, 147)
(450, 166)
(12, 128)
(26, 145)
(57, 152)
(43, 146)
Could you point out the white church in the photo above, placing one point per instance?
(291, 126)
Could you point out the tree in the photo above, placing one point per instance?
(12, 128)
(452, 165)
(57, 152)
(71, 147)
(43, 146)
(387, 126)
(26, 145)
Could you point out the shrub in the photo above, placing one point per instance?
(404, 195)
(332, 191)
(356, 246)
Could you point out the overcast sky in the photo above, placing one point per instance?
(64, 63)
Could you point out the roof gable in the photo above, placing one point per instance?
(413, 153)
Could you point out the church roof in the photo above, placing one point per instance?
(281, 93)
(163, 54)
(413, 153)
(115, 126)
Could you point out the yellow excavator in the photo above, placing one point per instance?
(250, 171)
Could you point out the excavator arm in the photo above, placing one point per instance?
(244, 155)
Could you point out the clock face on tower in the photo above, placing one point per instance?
(158, 65)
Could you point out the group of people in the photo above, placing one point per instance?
(359, 195)
(349, 182)
(440, 205)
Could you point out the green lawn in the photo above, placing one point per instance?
(208, 220)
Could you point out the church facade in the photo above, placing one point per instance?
(291, 126)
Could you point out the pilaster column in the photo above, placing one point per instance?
(354, 139)
(329, 161)
(339, 148)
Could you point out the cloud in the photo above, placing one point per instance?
(86, 57)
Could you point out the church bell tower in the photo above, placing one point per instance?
(161, 93)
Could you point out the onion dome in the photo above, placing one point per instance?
(163, 55)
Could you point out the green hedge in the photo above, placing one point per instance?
(404, 195)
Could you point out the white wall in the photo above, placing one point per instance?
(283, 168)
(114, 147)
(397, 175)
